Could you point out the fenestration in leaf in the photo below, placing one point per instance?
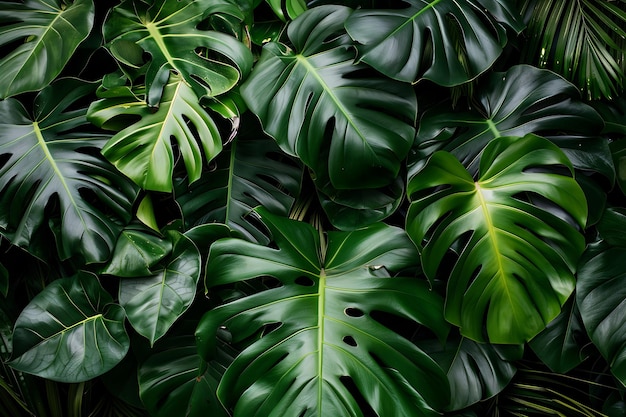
(46, 158)
(330, 112)
(447, 42)
(324, 326)
(516, 260)
(49, 33)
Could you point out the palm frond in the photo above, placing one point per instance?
(583, 40)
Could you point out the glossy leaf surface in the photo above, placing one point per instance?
(71, 332)
(516, 262)
(153, 303)
(169, 31)
(175, 381)
(46, 33)
(600, 294)
(324, 328)
(514, 103)
(250, 172)
(144, 149)
(47, 157)
(447, 42)
(326, 110)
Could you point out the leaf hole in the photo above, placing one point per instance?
(353, 312)
(403, 326)
(349, 340)
(304, 281)
(270, 327)
(362, 403)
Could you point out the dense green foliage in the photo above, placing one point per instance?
(284, 208)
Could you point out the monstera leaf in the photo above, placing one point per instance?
(447, 42)
(514, 103)
(250, 172)
(47, 32)
(325, 329)
(169, 31)
(47, 159)
(144, 151)
(70, 332)
(175, 381)
(600, 295)
(326, 110)
(476, 371)
(516, 260)
(563, 345)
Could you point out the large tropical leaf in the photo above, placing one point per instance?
(448, 42)
(324, 342)
(154, 302)
(600, 293)
(581, 40)
(144, 150)
(476, 371)
(47, 33)
(70, 332)
(514, 103)
(563, 344)
(46, 160)
(170, 31)
(250, 172)
(345, 123)
(516, 261)
(174, 380)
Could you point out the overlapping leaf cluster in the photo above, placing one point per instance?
(290, 208)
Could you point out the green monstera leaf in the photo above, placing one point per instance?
(169, 30)
(71, 331)
(250, 172)
(447, 42)
(514, 103)
(326, 328)
(600, 295)
(327, 111)
(48, 32)
(144, 150)
(174, 380)
(51, 156)
(516, 259)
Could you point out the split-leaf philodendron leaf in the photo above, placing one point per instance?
(516, 262)
(330, 112)
(169, 31)
(326, 332)
(447, 42)
(48, 33)
(144, 150)
(48, 157)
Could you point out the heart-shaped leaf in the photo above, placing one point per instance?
(48, 32)
(516, 262)
(70, 332)
(153, 303)
(326, 329)
(144, 151)
(448, 42)
(169, 30)
(137, 251)
(326, 110)
(53, 156)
